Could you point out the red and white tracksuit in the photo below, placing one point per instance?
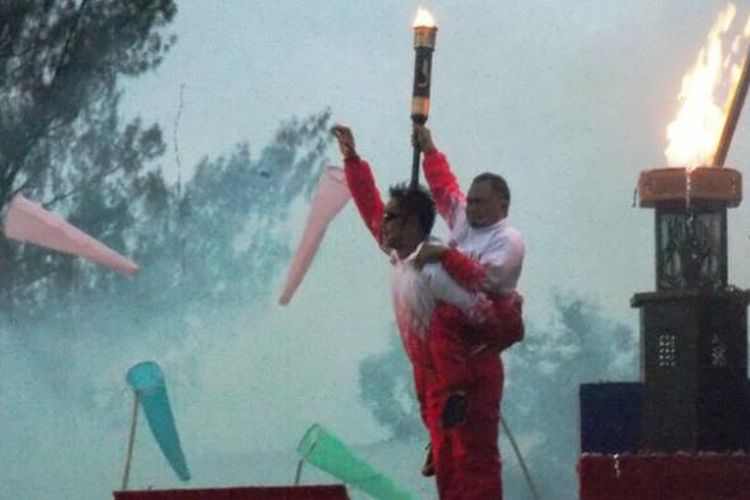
(415, 296)
(466, 355)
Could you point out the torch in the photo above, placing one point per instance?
(425, 33)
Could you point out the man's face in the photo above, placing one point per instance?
(393, 225)
(484, 205)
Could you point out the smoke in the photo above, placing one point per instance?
(576, 344)
(568, 101)
(239, 375)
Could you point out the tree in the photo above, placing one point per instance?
(224, 238)
(207, 251)
(58, 62)
(543, 377)
(387, 389)
(60, 138)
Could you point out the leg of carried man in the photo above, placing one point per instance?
(448, 347)
(475, 459)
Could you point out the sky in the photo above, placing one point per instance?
(568, 100)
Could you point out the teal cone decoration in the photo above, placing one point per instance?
(325, 451)
(147, 380)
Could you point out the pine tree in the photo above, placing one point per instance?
(60, 139)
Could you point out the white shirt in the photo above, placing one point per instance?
(499, 248)
(416, 292)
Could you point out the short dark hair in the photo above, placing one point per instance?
(415, 201)
(497, 183)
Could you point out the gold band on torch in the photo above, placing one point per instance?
(425, 33)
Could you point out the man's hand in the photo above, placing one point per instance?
(482, 311)
(345, 139)
(422, 138)
(429, 253)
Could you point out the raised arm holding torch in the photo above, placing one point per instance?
(425, 33)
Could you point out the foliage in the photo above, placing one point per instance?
(543, 375)
(387, 389)
(59, 67)
(61, 141)
(214, 241)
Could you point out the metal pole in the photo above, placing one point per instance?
(298, 474)
(733, 116)
(521, 461)
(415, 168)
(301, 463)
(131, 442)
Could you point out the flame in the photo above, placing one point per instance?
(424, 18)
(694, 135)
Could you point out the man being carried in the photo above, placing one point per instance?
(485, 254)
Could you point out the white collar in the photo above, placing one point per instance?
(409, 258)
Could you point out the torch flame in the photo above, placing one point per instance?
(424, 18)
(693, 136)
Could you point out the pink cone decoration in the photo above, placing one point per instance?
(28, 221)
(329, 199)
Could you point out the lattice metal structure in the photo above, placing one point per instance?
(694, 326)
(691, 223)
(691, 249)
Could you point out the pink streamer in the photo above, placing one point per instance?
(329, 199)
(28, 221)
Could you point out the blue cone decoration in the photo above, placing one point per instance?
(147, 380)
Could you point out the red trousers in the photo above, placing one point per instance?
(467, 457)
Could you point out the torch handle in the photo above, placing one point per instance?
(416, 119)
(424, 45)
(415, 168)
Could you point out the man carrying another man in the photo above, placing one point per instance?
(452, 336)
(485, 254)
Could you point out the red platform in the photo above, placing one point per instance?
(335, 492)
(680, 476)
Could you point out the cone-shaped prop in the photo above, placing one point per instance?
(148, 381)
(328, 453)
(28, 221)
(330, 197)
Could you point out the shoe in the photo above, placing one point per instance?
(428, 468)
(454, 411)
